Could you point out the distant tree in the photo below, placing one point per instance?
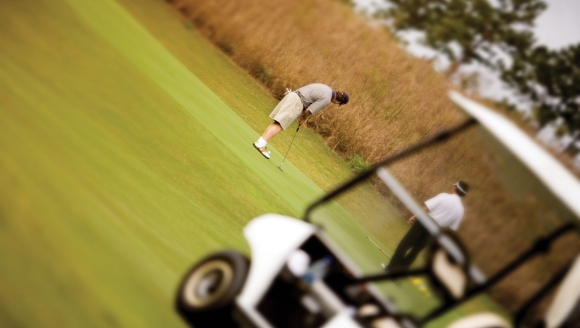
(497, 33)
(468, 30)
(551, 80)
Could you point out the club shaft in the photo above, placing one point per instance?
(291, 142)
(387, 255)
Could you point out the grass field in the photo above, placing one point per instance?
(126, 155)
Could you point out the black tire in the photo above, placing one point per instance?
(209, 288)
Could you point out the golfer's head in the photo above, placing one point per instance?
(340, 97)
(461, 188)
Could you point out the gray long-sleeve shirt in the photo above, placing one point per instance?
(315, 96)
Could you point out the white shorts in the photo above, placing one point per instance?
(287, 110)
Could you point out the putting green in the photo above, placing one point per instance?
(120, 168)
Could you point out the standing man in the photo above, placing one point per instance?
(446, 209)
(302, 103)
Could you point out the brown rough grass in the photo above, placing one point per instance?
(396, 100)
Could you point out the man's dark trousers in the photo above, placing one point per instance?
(410, 246)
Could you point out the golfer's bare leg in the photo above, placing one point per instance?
(271, 131)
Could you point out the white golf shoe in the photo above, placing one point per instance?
(263, 150)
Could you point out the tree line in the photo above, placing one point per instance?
(498, 34)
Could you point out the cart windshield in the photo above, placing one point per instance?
(506, 209)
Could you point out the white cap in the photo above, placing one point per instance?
(458, 186)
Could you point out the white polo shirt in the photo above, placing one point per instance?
(446, 209)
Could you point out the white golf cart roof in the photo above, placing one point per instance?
(563, 184)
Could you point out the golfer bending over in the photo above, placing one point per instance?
(302, 103)
(446, 209)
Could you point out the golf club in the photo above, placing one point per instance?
(387, 255)
(295, 133)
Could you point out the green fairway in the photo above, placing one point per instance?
(127, 156)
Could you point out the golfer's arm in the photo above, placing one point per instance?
(412, 219)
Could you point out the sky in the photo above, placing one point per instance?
(559, 25)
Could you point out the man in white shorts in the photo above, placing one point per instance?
(302, 103)
(446, 209)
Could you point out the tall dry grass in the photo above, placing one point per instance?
(396, 100)
(293, 43)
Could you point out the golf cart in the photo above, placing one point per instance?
(300, 276)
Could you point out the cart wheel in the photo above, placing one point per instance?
(213, 283)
